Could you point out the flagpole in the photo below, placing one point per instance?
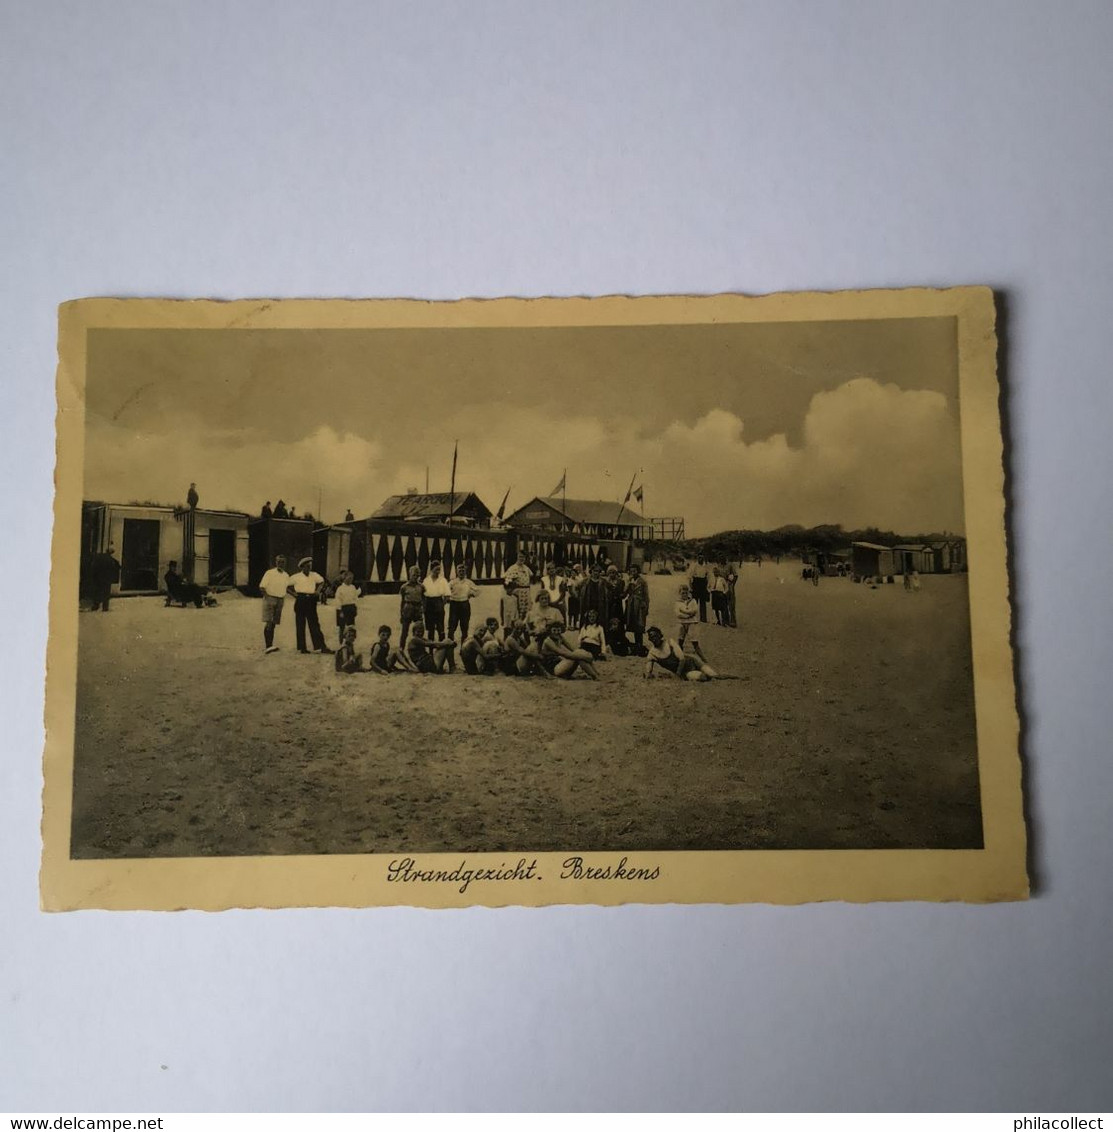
(452, 486)
(564, 500)
(629, 491)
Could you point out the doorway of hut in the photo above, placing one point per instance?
(139, 555)
(222, 557)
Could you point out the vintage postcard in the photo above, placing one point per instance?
(681, 599)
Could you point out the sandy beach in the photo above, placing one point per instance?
(851, 726)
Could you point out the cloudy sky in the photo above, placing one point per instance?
(741, 425)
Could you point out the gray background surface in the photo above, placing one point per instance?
(444, 150)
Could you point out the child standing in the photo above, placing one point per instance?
(413, 603)
(346, 597)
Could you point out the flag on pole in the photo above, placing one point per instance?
(629, 492)
(560, 486)
(502, 505)
(452, 485)
(639, 495)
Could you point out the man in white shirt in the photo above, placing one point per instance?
(274, 584)
(306, 585)
(437, 592)
(461, 591)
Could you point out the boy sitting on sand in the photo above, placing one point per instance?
(430, 656)
(523, 655)
(347, 659)
(384, 659)
(471, 652)
(562, 661)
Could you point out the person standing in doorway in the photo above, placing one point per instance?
(106, 573)
(275, 584)
(306, 586)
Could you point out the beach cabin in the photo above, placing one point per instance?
(210, 547)
(871, 560)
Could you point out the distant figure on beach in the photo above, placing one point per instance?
(280, 510)
(412, 605)
(306, 587)
(348, 659)
(106, 573)
(732, 592)
(266, 512)
(719, 595)
(699, 578)
(915, 575)
(275, 584)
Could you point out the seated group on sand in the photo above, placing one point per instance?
(533, 638)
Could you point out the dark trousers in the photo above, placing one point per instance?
(459, 616)
(700, 593)
(434, 618)
(305, 613)
(101, 594)
(345, 616)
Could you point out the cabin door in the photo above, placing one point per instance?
(222, 557)
(139, 555)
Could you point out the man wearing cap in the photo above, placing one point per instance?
(306, 585)
(274, 584)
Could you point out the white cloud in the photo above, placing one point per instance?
(871, 454)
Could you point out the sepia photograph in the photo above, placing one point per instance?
(497, 581)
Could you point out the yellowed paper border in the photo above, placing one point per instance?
(996, 872)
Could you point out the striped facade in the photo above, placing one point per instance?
(382, 552)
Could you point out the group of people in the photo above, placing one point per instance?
(284, 510)
(566, 623)
(715, 583)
